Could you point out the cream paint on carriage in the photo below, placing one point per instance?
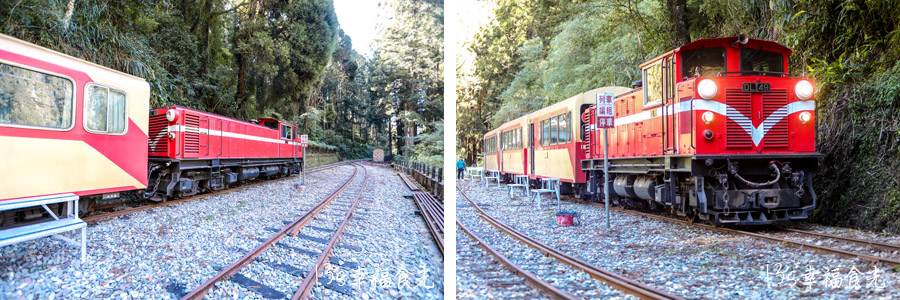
(513, 161)
(180, 128)
(561, 161)
(68, 157)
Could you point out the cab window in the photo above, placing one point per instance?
(270, 124)
(285, 131)
(761, 62)
(653, 84)
(32, 98)
(104, 110)
(708, 62)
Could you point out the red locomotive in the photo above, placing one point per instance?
(716, 130)
(192, 151)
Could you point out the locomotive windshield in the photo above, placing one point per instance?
(761, 62)
(710, 62)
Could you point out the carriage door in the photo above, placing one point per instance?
(531, 147)
(670, 108)
(204, 126)
(220, 140)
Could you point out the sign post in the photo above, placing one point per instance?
(605, 119)
(304, 142)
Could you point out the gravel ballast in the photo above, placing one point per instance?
(687, 261)
(162, 253)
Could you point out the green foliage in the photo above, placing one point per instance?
(213, 55)
(408, 71)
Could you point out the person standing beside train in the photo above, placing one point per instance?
(460, 169)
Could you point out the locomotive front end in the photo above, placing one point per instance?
(755, 135)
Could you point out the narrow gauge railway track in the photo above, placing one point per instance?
(507, 276)
(432, 211)
(292, 229)
(787, 241)
(616, 281)
(99, 217)
(867, 243)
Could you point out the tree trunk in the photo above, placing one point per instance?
(676, 18)
(70, 9)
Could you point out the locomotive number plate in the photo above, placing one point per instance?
(751, 87)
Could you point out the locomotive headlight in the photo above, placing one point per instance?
(707, 89)
(171, 115)
(805, 116)
(172, 136)
(804, 90)
(708, 117)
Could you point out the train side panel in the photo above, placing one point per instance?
(47, 139)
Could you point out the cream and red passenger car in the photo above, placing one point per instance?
(67, 125)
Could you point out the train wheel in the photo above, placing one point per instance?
(578, 191)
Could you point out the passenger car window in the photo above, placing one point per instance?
(761, 62)
(710, 61)
(554, 130)
(545, 132)
(104, 110)
(31, 98)
(563, 129)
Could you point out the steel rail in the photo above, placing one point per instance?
(430, 206)
(529, 277)
(225, 191)
(432, 212)
(200, 291)
(846, 239)
(431, 223)
(617, 281)
(310, 280)
(873, 259)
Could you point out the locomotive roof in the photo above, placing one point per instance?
(225, 117)
(722, 42)
(728, 40)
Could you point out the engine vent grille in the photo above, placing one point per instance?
(774, 109)
(158, 144)
(191, 133)
(739, 114)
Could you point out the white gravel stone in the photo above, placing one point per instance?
(687, 261)
(162, 253)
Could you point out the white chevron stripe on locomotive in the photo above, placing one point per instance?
(206, 131)
(756, 133)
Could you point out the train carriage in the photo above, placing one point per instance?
(68, 126)
(512, 152)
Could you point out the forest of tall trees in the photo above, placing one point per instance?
(286, 59)
(537, 52)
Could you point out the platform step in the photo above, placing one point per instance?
(36, 201)
(39, 230)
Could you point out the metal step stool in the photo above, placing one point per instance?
(55, 227)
